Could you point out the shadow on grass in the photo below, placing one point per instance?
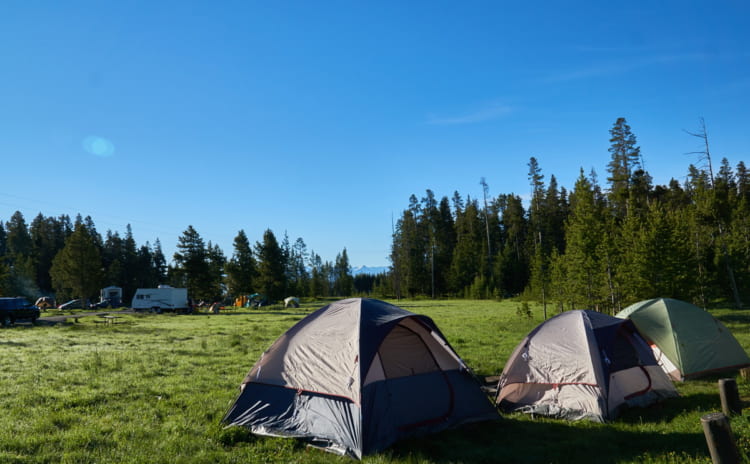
(669, 409)
(253, 313)
(10, 343)
(737, 318)
(512, 441)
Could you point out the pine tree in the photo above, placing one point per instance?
(19, 257)
(271, 276)
(159, 264)
(584, 233)
(444, 244)
(318, 287)
(241, 268)
(343, 280)
(130, 266)
(192, 266)
(301, 277)
(626, 159)
(76, 270)
(467, 253)
(47, 241)
(513, 260)
(216, 263)
(538, 279)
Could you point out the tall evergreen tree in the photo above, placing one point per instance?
(77, 269)
(318, 285)
(47, 240)
(467, 254)
(584, 232)
(300, 276)
(130, 267)
(159, 262)
(658, 258)
(192, 266)
(216, 263)
(271, 266)
(626, 159)
(444, 243)
(241, 268)
(538, 220)
(513, 259)
(343, 280)
(19, 257)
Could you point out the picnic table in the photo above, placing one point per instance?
(107, 319)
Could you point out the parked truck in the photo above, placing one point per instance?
(160, 299)
(13, 309)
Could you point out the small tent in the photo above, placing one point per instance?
(582, 365)
(357, 375)
(688, 342)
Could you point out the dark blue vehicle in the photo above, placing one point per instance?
(17, 308)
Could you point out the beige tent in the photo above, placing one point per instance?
(356, 376)
(582, 365)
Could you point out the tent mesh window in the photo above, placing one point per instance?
(403, 353)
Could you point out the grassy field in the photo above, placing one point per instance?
(153, 389)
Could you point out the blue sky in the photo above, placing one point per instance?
(319, 119)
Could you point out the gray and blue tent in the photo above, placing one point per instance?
(582, 365)
(356, 376)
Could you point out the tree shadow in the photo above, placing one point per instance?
(735, 318)
(670, 408)
(547, 441)
(11, 343)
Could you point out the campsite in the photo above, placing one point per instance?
(155, 387)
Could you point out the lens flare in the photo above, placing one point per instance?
(98, 146)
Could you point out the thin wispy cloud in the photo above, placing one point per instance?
(625, 65)
(481, 115)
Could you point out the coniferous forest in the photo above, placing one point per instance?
(599, 246)
(64, 259)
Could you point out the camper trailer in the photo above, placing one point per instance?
(163, 298)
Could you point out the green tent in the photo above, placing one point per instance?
(688, 342)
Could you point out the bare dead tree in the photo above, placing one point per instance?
(485, 190)
(705, 156)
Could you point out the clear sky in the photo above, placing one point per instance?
(319, 119)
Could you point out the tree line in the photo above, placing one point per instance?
(598, 247)
(66, 259)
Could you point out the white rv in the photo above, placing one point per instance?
(163, 298)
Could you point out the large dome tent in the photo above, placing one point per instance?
(356, 376)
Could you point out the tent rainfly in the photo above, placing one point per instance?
(687, 341)
(356, 376)
(582, 365)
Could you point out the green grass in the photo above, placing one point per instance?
(153, 389)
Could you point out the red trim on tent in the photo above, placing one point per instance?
(645, 390)
(555, 385)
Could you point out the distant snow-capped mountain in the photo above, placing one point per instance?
(369, 270)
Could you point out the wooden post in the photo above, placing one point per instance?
(719, 439)
(730, 397)
(745, 374)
